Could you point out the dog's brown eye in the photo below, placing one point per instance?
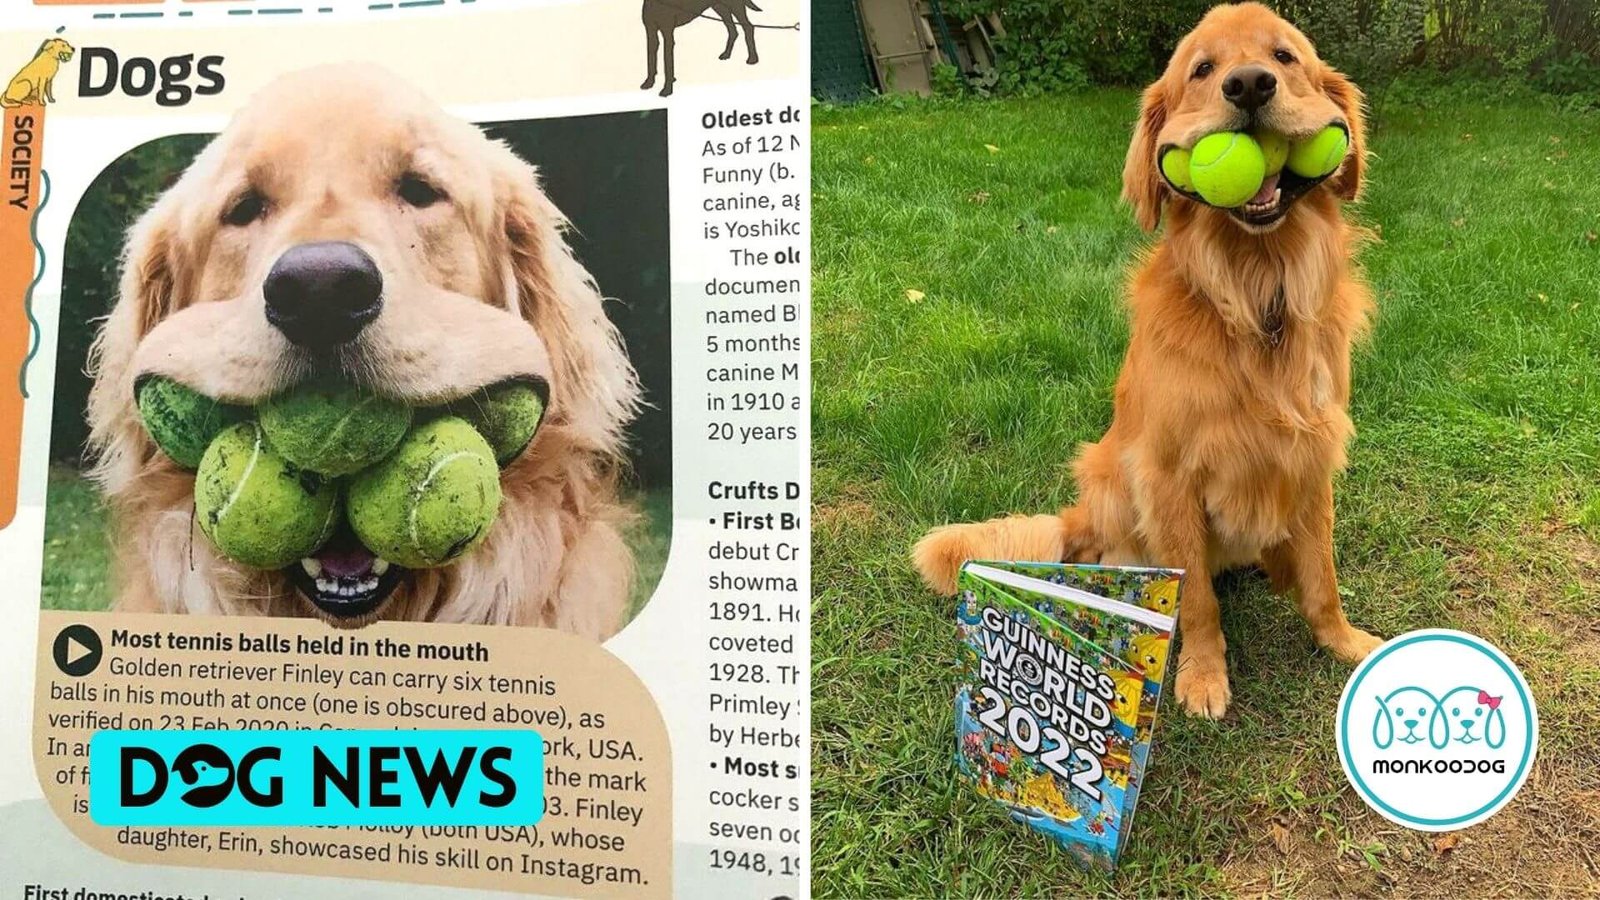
(246, 209)
(1203, 70)
(417, 192)
(1284, 57)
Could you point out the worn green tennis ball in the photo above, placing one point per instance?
(333, 429)
(1319, 154)
(181, 420)
(1274, 148)
(1227, 167)
(506, 415)
(1175, 165)
(431, 500)
(258, 508)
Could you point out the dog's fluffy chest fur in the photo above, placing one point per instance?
(1252, 419)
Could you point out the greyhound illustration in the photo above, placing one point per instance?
(663, 17)
(35, 84)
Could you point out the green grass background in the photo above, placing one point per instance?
(77, 555)
(969, 262)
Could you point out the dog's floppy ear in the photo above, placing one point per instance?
(1382, 727)
(1438, 726)
(152, 270)
(593, 388)
(1142, 184)
(1348, 181)
(1494, 729)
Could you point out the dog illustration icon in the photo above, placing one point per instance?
(1409, 708)
(1474, 716)
(208, 771)
(663, 17)
(34, 85)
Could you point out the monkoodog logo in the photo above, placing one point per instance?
(1437, 730)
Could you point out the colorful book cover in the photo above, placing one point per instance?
(1061, 676)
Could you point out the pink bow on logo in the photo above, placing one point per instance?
(1485, 700)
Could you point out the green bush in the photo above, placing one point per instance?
(1063, 45)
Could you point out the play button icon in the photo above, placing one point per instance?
(77, 650)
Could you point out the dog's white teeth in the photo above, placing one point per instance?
(328, 585)
(367, 585)
(311, 567)
(380, 565)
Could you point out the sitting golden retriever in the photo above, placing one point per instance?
(1229, 416)
(35, 83)
(409, 254)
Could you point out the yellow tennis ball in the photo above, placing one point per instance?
(1319, 154)
(431, 500)
(1227, 167)
(258, 508)
(1275, 148)
(507, 415)
(1175, 165)
(333, 429)
(182, 421)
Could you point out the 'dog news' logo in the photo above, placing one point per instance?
(460, 777)
(1437, 730)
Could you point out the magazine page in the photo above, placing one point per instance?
(405, 458)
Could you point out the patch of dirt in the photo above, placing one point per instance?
(1545, 844)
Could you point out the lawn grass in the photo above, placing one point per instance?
(77, 552)
(969, 259)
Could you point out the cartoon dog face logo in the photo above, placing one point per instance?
(1465, 715)
(1474, 716)
(1401, 714)
(208, 770)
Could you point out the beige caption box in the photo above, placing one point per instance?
(607, 829)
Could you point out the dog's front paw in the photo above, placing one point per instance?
(648, 83)
(1352, 644)
(1203, 685)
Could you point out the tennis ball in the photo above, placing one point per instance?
(181, 420)
(1319, 154)
(1175, 165)
(1274, 148)
(432, 500)
(258, 508)
(333, 429)
(1227, 168)
(506, 415)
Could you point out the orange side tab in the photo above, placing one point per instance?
(22, 191)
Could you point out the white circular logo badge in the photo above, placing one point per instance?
(1437, 730)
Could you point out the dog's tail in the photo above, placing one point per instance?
(940, 554)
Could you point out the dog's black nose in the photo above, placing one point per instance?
(323, 294)
(1249, 87)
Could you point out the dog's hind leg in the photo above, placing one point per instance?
(743, 16)
(652, 43)
(669, 43)
(733, 33)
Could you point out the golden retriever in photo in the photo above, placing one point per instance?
(1230, 414)
(408, 253)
